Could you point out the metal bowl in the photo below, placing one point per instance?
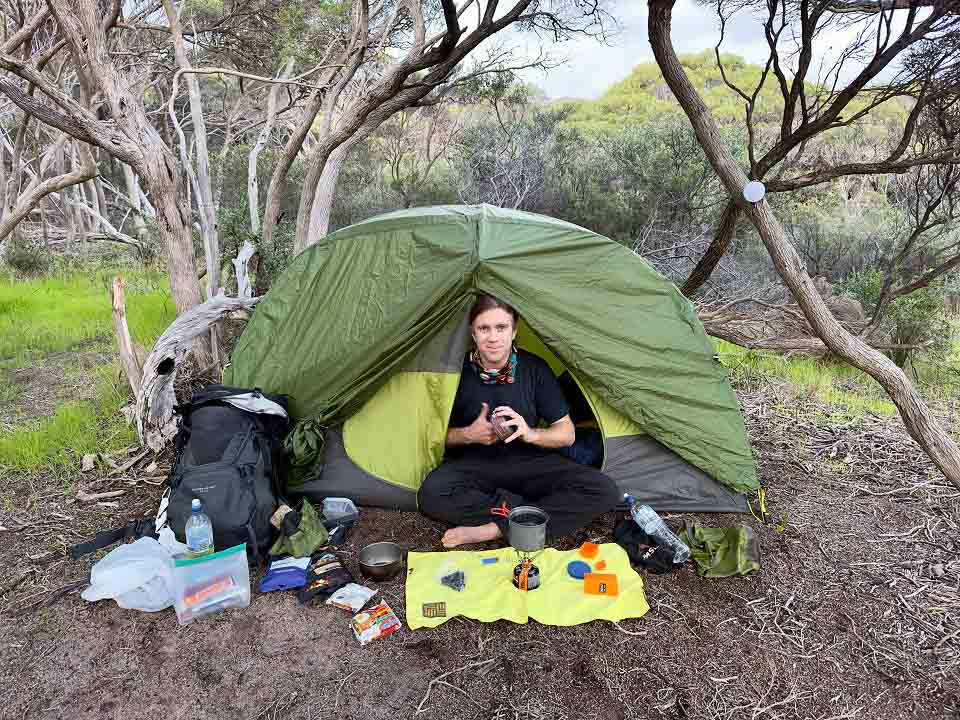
(381, 560)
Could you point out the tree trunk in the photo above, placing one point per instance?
(327, 189)
(3, 182)
(89, 195)
(98, 188)
(208, 215)
(920, 423)
(133, 193)
(173, 223)
(369, 114)
(240, 265)
(726, 231)
(253, 183)
(271, 205)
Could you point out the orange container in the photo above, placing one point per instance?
(601, 584)
(589, 550)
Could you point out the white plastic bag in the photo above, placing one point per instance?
(170, 542)
(138, 576)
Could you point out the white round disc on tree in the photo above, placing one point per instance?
(754, 191)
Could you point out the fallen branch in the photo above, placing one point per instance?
(439, 679)
(635, 633)
(51, 597)
(155, 396)
(130, 463)
(741, 332)
(94, 497)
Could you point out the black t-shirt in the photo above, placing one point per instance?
(535, 394)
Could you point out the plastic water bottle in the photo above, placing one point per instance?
(654, 526)
(199, 531)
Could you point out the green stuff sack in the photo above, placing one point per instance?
(722, 552)
(309, 537)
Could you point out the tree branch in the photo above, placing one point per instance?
(879, 6)
(26, 31)
(78, 122)
(882, 167)
(726, 231)
(29, 200)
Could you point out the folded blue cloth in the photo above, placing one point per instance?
(285, 574)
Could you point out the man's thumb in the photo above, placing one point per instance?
(484, 408)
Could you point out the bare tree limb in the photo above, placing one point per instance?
(109, 230)
(879, 6)
(29, 200)
(253, 186)
(13, 43)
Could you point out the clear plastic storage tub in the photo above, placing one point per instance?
(211, 583)
(340, 511)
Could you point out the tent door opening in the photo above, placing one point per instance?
(583, 410)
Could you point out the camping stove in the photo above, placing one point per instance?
(527, 532)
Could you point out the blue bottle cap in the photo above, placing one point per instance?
(577, 569)
(195, 505)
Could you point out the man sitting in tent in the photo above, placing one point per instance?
(502, 458)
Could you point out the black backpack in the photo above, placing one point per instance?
(229, 455)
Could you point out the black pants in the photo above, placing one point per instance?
(462, 491)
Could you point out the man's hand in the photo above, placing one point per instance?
(480, 431)
(512, 418)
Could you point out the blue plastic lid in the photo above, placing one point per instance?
(577, 569)
(196, 506)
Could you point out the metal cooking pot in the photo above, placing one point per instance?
(381, 560)
(527, 528)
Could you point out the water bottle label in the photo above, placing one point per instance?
(199, 537)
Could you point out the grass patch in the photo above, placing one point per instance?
(9, 391)
(54, 314)
(51, 442)
(77, 428)
(57, 314)
(833, 383)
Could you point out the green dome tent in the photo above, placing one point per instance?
(367, 331)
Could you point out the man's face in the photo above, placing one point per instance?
(493, 332)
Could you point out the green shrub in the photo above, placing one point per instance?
(234, 227)
(26, 258)
(919, 318)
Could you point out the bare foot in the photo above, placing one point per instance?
(470, 535)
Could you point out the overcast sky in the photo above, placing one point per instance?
(592, 66)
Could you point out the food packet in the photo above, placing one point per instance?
(351, 597)
(325, 575)
(452, 576)
(377, 622)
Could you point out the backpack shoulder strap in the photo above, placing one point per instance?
(133, 530)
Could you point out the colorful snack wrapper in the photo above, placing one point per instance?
(351, 597)
(325, 575)
(374, 623)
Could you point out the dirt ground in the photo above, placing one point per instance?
(855, 614)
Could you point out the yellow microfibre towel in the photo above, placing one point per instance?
(489, 594)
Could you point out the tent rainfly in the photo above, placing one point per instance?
(367, 331)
